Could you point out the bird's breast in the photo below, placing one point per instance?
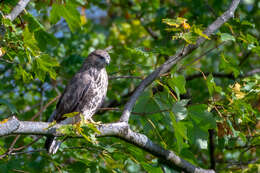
(96, 94)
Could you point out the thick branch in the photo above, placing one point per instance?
(17, 9)
(176, 58)
(120, 129)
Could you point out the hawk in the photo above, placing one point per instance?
(84, 94)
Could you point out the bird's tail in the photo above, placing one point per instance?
(52, 145)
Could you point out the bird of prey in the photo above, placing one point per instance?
(84, 93)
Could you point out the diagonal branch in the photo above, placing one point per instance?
(176, 58)
(17, 9)
(119, 129)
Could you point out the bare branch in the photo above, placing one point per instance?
(201, 56)
(223, 75)
(137, 113)
(45, 107)
(176, 58)
(252, 72)
(17, 9)
(109, 48)
(119, 129)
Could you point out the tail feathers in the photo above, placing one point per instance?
(52, 145)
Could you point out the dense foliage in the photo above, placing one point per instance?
(206, 109)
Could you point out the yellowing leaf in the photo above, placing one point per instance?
(3, 121)
(200, 33)
(186, 25)
(83, 18)
(236, 87)
(136, 22)
(72, 114)
(51, 125)
(175, 22)
(2, 51)
(238, 93)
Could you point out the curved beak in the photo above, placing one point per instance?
(107, 61)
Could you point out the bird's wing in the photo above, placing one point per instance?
(74, 92)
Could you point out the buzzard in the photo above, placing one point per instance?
(84, 93)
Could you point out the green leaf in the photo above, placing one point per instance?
(44, 64)
(33, 23)
(69, 12)
(44, 38)
(179, 109)
(189, 37)
(9, 105)
(72, 114)
(174, 22)
(178, 84)
(245, 22)
(66, 130)
(151, 169)
(242, 137)
(200, 32)
(55, 13)
(200, 115)
(226, 37)
(212, 87)
(30, 41)
(229, 65)
(138, 52)
(202, 121)
(142, 102)
(180, 132)
(235, 133)
(252, 39)
(21, 73)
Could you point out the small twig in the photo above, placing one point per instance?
(248, 147)
(219, 75)
(25, 146)
(6, 61)
(11, 148)
(147, 28)
(41, 102)
(201, 56)
(27, 152)
(252, 72)
(242, 164)
(16, 170)
(45, 107)
(137, 113)
(151, 32)
(222, 75)
(109, 48)
(125, 77)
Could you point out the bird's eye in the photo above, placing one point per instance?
(101, 57)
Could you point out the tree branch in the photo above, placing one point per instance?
(223, 75)
(17, 9)
(119, 129)
(176, 58)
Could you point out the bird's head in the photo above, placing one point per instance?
(99, 58)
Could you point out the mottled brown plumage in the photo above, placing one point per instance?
(84, 93)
